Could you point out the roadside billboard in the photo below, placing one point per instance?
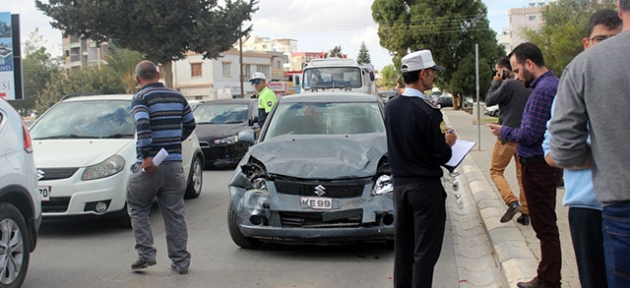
(10, 65)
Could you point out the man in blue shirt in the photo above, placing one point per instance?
(539, 179)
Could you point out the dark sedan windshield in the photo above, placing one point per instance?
(325, 118)
(220, 113)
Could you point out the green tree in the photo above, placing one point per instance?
(364, 55)
(334, 52)
(389, 76)
(102, 80)
(162, 30)
(563, 27)
(449, 28)
(123, 62)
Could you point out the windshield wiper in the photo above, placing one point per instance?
(66, 136)
(205, 123)
(119, 136)
(233, 122)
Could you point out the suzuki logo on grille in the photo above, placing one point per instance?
(320, 190)
(40, 174)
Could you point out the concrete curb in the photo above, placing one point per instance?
(515, 259)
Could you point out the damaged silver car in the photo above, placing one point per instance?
(318, 174)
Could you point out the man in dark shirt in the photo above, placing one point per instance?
(511, 97)
(539, 179)
(418, 143)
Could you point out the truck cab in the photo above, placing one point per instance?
(338, 74)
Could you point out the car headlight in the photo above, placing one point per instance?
(383, 185)
(227, 140)
(104, 169)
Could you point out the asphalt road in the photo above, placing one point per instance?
(95, 254)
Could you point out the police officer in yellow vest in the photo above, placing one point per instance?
(266, 97)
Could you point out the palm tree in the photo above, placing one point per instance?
(124, 62)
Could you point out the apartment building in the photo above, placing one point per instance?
(521, 19)
(211, 79)
(83, 53)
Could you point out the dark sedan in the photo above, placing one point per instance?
(221, 127)
(318, 173)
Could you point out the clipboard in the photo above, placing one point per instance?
(460, 149)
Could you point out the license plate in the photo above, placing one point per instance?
(316, 203)
(44, 191)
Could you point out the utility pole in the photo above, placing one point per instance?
(240, 57)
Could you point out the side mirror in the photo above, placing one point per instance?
(372, 76)
(247, 136)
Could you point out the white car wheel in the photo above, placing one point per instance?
(14, 246)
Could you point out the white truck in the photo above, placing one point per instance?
(338, 74)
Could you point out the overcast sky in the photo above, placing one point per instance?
(317, 25)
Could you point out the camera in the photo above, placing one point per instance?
(505, 74)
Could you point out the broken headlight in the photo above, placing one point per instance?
(383, 185)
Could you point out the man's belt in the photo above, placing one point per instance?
(535, 159)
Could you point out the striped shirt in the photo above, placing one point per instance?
(163, 120)
(530, 135)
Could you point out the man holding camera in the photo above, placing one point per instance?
(511, 97)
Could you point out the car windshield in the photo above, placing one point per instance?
(319, 118)
(85, 119)
(220, 113)
(332, 77)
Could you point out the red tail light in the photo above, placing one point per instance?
(28, 144)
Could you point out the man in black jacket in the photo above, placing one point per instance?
(511, 97)
(418, 143)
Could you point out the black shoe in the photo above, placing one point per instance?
(523, 219)
(182, 272)
(534, 283)
(141, 264)
(513, 208)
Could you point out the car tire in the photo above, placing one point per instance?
(235, 233)
(195, 179)
(13, 229)
(496, 113)
(123, 219)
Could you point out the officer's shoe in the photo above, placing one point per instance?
(513, 208)
(534, 283)
(523, 219)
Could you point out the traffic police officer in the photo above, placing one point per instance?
(418, 143)
(266, 97)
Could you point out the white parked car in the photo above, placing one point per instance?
(20, 208)
(85, 147)
(492, 111)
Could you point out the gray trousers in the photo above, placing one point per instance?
(167, 185)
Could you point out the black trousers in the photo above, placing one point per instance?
(588, 244)
(419, 227)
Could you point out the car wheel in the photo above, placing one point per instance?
(235, 233)
(195, 179)
(496, 113)
(124, 220)
(14, 246)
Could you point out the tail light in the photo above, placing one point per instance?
(28, 144)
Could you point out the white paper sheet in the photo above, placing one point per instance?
(460, 150)
(159, 157)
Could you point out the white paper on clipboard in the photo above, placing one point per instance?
(460, 149)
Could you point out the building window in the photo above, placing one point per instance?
(195, 70)
(532, 18)
(247, 73)
(227, 71)
(263, 69)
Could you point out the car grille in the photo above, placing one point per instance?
(55, 205)
(56, 173)
(343, 189)
(336, 219)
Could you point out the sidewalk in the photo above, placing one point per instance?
(515, 247)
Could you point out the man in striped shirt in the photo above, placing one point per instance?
(163, 120)
(539, 179)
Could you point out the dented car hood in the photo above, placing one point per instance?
(322, 156)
